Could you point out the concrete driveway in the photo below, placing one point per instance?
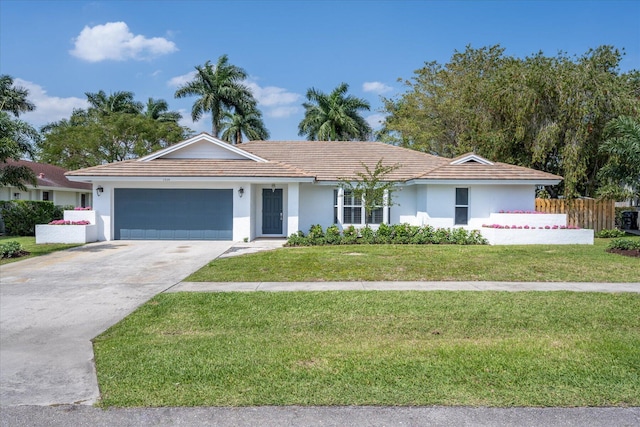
(52, 306)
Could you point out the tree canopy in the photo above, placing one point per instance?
(547, 113)
(16, 136)
(622, 170)
(114, 128)
(220, 89)
(334, 117)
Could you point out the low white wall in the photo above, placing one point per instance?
(80, 216)
(66, 233)
(532, 220)
(499, 236)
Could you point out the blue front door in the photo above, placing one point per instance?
(272, 211)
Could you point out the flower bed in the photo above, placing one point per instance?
(78, 226)
(529, 218)
(553, 235)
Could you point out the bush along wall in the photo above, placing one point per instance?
(401, 234)
(21, 216)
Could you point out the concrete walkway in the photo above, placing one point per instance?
(52, 306)
(403, 286)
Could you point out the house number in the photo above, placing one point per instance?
(166, 179)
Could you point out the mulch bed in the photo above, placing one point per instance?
(19, 254)
(626, 252)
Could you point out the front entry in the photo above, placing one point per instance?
(272, 211)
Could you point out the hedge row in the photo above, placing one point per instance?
(21, 216)
(386, 234)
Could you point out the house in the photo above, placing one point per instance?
(52, 185)
(204, 188)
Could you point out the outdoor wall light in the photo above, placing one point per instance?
(273, 188)
(241, 192)
(99, 190)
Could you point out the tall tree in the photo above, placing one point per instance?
(158, 109)
(117, 102)
(115, 127)
(16, 136)
(13, 99)
(334, 117)
(548, 113)
(622, 146)
(219, 88)
(235, 125)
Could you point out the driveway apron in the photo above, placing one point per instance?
(52, 306)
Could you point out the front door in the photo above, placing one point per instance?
(272, 211)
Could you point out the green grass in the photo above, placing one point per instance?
(29, 245)
(374, 348)
(532, 263)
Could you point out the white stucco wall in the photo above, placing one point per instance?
(483, 200)
(316, 206)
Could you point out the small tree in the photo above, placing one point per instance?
(371, 186)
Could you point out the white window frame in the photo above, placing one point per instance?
(457, 206)
(339, 207)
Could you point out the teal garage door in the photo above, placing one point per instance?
(162, 214)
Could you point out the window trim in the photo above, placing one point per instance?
(461, 206)
(339, 206)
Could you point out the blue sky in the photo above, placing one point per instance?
(61, 49)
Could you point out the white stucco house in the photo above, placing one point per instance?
(52, 185)
(204, 188)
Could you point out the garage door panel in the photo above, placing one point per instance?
(171, 214)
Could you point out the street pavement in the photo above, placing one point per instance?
(51, 307)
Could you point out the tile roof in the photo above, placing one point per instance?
(50, 175)
(332, 160)
(320, 160)
(193, 168)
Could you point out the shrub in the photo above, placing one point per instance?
(297, 239)
(333, 236)
(606, 233)
(350, 235)
(624, 244)
(386, 234)
(21, 216)
(10, 249)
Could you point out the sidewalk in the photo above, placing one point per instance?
(403, 286)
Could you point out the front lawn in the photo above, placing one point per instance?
(374, 348)
(29, 244)
(532, 263)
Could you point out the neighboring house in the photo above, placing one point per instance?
(204, 188)
(52, 185)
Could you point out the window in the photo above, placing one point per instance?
(16, 196)
(353, 210)
(83, 200)
(45, 196)
(462, 206)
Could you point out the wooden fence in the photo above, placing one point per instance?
(583, 213)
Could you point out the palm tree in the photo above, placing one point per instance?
(158, 109)
(117, 102)
(234, 125)
(623, 149)
(334, 117)
(14, 99)
(220, 89)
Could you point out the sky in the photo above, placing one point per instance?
(60, 50)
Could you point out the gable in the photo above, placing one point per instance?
(205, 147)
(204, 150)
(470, 158)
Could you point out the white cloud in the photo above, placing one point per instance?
(272, 96)
(376, 87)
(202, 125)
(375, 120)
(114, 41)
(180, 80)
(48, 108)
(281, 112)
